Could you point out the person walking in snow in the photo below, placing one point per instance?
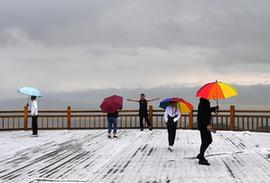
(204, 124)
(171, 116)
(143, 110)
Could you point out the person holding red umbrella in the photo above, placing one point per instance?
(112, 124)
(111, 106)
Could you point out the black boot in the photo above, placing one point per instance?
(203, 161)
(199, 156)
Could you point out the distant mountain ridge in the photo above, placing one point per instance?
(257, 96)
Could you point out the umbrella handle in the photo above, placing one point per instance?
(28, 101)
(216, 112)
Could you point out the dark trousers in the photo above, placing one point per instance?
(144, 116)
(206, 140)
(171, 127)
(35, 125)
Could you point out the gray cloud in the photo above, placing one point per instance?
(66, 46)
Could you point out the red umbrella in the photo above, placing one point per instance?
(111, 104)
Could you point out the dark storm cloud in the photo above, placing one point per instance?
(140, 23)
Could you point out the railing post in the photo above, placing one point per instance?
(232, 117)
(190, 119)
(150, 116)
(69, 117)
(25, 114)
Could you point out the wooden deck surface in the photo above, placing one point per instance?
(88, 156)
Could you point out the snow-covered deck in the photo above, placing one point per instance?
(88, 156)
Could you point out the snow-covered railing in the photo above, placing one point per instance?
(232, 119)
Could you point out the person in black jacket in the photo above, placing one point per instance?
(205, 127)
(143, 111)
(112, 124)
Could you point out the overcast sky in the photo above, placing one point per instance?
(74, 45)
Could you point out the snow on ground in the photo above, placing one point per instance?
(88, 156)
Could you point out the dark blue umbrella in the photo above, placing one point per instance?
(164, 103)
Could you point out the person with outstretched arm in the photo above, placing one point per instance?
(143, 110)
(204, 124)
(171, 117)
(34, 114)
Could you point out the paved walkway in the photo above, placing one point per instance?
(88, 156)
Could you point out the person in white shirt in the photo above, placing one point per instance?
(34, 114)
(171, 116)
